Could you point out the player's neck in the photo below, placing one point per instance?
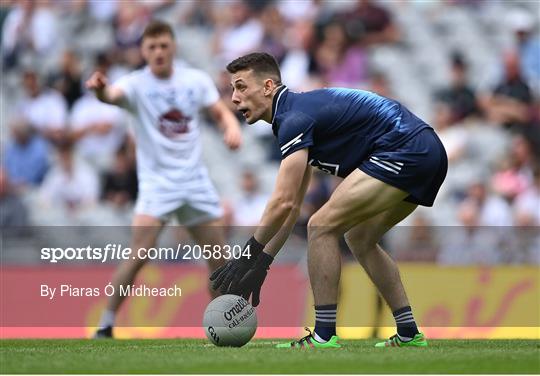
(164, 75)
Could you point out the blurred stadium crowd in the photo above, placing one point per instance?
(470, 68)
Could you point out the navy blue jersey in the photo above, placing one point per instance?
(340, 127)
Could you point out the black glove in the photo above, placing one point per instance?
(252, 282)
(226, 277)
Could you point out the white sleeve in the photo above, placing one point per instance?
(210, 93)
(127, 85)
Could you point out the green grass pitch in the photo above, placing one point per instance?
(198, 356)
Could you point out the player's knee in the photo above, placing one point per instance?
(360, 242)
(318, 225)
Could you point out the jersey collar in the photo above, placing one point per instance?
(275, 102)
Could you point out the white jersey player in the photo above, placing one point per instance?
(165, 100)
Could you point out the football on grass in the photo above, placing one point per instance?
(229, 320)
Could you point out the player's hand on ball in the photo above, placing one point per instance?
(251, 283)
(226, 277)
(98, 81)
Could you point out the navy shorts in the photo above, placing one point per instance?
(417, 166)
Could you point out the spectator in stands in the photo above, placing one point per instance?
(471, 242)
(373, 22)
(527, 203)
(294, 11)
(340, 62)
(44, 108)
(298, 68)
(516, 173)
(199, 14)
(26, 156)
(238, 31)
(68, 79)
(491, 209)
(527, 217)
(522, 24)
(129, 25)
(248, 209)
(274, 32)
(120, 183)
(417, 242)
(103, 11)
(510, 101)
(13, 212)
(30, 27)
(71, 185)
(97, 128)
(459, 95)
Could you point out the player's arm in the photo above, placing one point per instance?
(281, 207)
(275, 245)
(228, 124)
(285, 196)
(104, 91)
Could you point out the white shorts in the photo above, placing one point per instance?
(189, 206)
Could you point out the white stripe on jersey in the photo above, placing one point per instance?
(293, 141)
(286, 150)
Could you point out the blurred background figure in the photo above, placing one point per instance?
(30, 28)
(45, 108)
(248, 208)
(417, 242)
(459, 96)
(338, 59)
(26, 155)
(97, 128)
(510, 100)
(237, 31)
(68, 79)
(373, 22)
(120, 182)
(523, 24)
(129, 24)
(71, 185)
(473, 242)
(13, 211)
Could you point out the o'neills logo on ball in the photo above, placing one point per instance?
(236, 309)
(173, 123)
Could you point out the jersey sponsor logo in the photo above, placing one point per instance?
(285, 148)
(329, 168)
(394, 167)
(173, 123)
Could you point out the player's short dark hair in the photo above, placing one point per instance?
(260, 62)
(157, 27)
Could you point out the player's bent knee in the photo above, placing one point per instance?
(360, 239)
(319, 225)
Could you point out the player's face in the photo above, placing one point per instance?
(159, 53)
(251, 96)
